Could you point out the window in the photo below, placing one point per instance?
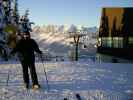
(117, 42)
(107, 42)
(130, 40)
(120, 42)
(104, 42)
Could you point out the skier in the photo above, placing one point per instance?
(26, 48)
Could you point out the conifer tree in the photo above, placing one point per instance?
(15, 11)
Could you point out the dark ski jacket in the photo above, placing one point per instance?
(26, 49)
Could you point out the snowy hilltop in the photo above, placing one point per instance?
(63, 28)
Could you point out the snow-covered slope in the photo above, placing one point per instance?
(92, 81)
(56, 41)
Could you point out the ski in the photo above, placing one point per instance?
(78, 96)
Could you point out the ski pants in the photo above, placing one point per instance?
(31, 66)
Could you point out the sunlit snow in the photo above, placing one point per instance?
(93, 81)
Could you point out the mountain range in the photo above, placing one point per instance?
(53, 39)
(64, 28)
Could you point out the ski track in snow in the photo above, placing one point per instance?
(93, 81)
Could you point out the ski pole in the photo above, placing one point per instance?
(8, 77)
(45, 72)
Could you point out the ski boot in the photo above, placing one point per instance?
(35, 86)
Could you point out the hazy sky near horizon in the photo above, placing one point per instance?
(67, 12)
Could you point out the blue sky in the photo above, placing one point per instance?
(78, 12)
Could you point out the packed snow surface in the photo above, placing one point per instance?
(93, 81)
